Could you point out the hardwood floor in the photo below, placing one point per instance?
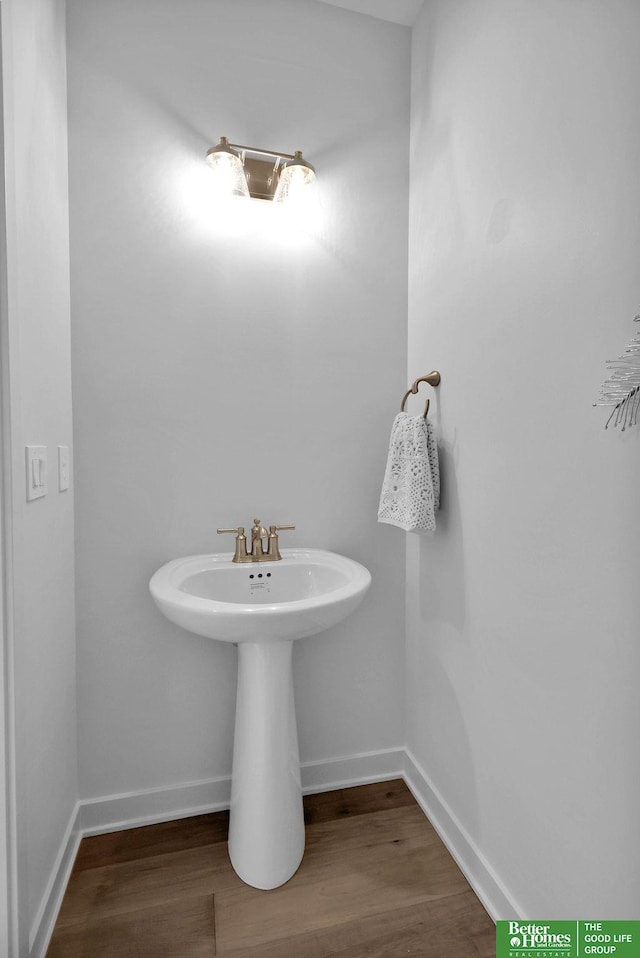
(375, 882)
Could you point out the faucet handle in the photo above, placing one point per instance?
(273, 551)
(240, 554)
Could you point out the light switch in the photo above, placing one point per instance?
(36, 462)
(64, 475)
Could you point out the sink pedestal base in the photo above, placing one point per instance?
(266, 826)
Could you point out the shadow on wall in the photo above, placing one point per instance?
(448, 660)
(441, 558)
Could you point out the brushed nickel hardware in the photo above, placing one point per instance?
(246, 174)
(273, 552)
(258, 532)
(258, 552)
(240, 554)
(433, 379)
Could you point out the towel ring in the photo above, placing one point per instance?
(432, 378)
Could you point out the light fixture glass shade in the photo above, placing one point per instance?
(296, 175)
(230, 179)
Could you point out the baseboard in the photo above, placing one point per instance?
(327, 775)
(43, 924)
(128, 810)
(113, 813)
(498, 902)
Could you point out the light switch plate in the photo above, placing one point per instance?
(36, 464)
(64, 472)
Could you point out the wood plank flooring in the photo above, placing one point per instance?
(375, 882)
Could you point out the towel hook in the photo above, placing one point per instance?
(432, 378)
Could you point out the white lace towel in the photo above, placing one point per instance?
(411, 487)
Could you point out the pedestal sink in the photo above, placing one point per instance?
(263, 607)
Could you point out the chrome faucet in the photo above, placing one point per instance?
(257, 552)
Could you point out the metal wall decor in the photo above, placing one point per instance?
(622, 388)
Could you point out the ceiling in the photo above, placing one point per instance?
(397, 11)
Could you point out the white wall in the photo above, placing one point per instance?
(523, 652)
(39, 395)
(223, 372)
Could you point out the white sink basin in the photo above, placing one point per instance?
(263, 607)
(307, 591)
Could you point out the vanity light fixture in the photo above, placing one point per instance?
(262, 174)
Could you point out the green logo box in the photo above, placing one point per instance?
(567, 939)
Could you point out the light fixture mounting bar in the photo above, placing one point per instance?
(253, 149)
